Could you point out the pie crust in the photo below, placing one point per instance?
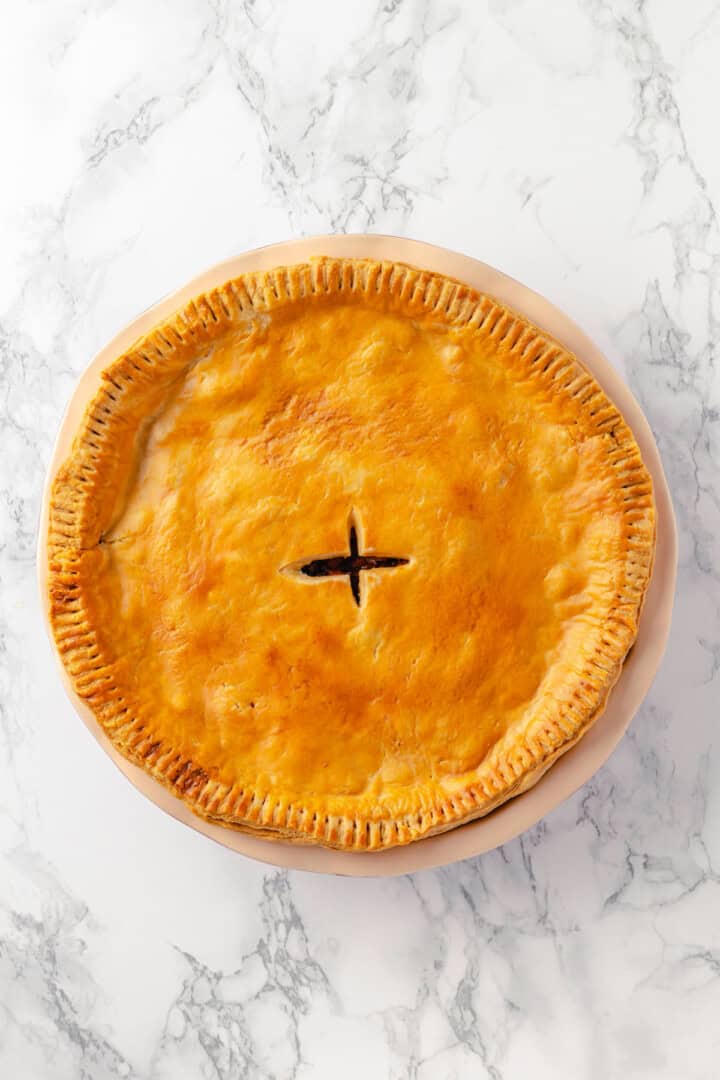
(240, 456)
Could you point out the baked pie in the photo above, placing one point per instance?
(347, 553)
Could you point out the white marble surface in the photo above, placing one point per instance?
(573, 145)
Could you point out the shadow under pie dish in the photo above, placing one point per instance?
(347, 553)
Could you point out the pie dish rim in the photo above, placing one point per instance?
(417, 257)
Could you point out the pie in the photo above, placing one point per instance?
(347, 553)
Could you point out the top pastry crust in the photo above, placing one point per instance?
(347, 553)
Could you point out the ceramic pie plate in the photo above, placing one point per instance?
(575, 767)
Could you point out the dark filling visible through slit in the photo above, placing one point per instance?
(352, 565)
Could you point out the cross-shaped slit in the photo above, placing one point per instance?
(351, 565)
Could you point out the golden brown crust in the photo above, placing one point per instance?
(91, 488)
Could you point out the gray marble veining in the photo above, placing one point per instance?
(572, 145)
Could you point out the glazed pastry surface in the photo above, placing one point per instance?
(357, 554)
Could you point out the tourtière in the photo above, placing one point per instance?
(347, 553)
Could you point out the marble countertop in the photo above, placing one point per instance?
(571, 145)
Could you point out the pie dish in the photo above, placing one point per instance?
(348, 553)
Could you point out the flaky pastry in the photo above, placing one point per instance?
(347, 553)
